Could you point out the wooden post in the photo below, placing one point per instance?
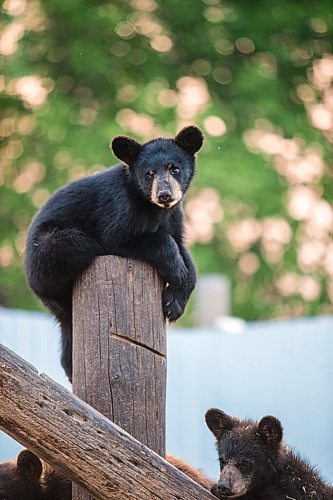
(119, 348)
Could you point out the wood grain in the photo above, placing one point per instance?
(80, 442)
(119, 348)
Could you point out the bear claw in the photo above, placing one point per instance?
(172, 309)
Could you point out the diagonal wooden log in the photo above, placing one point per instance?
(80, 442)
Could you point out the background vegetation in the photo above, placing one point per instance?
(255, 76)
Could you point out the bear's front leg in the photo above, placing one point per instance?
(176, 296)
(161, 251)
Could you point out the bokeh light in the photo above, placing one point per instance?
(260, 208)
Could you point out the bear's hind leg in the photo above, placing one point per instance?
(67, 350)
(54, 260)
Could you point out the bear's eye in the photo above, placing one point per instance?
(149, 175)
(245, 464)
(222, 462)
(174, 170)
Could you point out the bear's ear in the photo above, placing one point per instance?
(127, 150)
(29, 465)
(270, 429)
(190, 139)
(219, 422)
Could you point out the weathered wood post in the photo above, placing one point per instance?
(119, 349)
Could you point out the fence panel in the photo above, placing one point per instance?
(282, 368)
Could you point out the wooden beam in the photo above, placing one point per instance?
(80, 442)
(119, 348)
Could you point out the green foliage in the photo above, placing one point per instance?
(256, 76)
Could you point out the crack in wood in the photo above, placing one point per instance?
(136, 342)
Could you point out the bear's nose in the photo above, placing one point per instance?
(164, 196)
(224, 487)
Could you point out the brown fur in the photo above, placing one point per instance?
(29, 478)
(190, 471)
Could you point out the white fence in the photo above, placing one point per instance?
(282, 368)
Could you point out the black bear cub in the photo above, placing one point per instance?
(31, 479)
(255, 464)
(133, 210)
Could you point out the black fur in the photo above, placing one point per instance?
(113, 213)
(253, 455)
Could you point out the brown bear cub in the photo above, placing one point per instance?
(255, 464)
(31, 479)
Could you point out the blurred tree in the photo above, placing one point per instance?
(256, 76)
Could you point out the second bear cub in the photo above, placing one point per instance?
(255, 464)
(28, 478)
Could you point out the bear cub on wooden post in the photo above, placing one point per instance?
(133, 210)
(256, 465)
(30, 479)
